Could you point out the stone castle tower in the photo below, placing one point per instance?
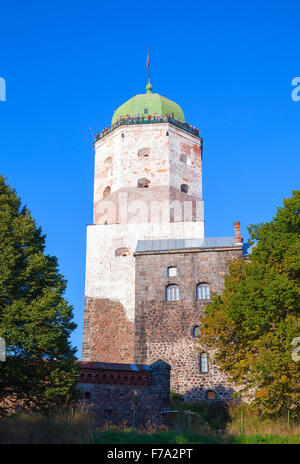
(145, 169)
(148, 201)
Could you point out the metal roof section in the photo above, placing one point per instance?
(113, 366)
(146, 246)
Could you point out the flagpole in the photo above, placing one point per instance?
(149, 64)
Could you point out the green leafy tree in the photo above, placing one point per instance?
(250, 328)
(35, 319)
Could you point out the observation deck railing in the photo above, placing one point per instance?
(127, 121)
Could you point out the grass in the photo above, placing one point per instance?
(258, 439)
(35, 428)
(79, 427)
(131, 437)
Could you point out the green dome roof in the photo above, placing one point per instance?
(153, 103)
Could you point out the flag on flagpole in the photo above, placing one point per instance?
(148, 64)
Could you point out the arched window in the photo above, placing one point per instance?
(172, 271)
(172, 293)
(143, 183)
(143, 152)
(203, 363)
(203, 292)
(107, 166)
(122, 252)
(183, 158)
(196, 331)
(184, 188)
(106, 191)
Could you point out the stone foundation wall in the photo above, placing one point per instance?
(130, 393)
(108, 335)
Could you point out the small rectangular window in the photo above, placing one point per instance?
(172, 271)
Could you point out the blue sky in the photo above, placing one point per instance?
(68, 65)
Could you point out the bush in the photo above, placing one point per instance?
(213, 414)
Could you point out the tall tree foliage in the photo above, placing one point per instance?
(250, 328)
(35, 319)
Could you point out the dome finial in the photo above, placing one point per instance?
(148, 86)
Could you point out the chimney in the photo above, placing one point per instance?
(237, 232)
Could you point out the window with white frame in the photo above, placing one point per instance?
(172, 293)
(203, 292)
(172, 271)
(203, 363)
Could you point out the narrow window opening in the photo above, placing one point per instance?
(122, 252)
(143, 183)
(184, 158)
(203, 363)
(143, 152)
(106, 191)
(196, 331)
(108, 161)
(184, 188)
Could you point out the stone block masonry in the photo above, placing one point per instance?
(165, 329)
(126, 392)
(108, 335)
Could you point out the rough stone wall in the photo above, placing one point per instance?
(108, 335)
(122, 392)
(120, 162)
(189, 171)
(165, 329)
